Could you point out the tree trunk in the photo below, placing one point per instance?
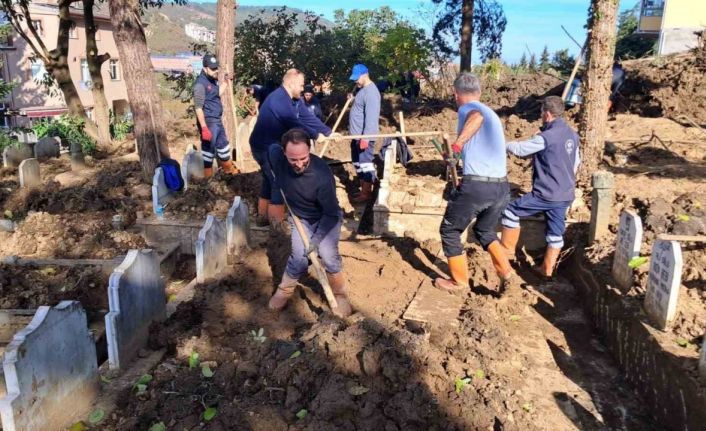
(142, 91)
(466, 47)
(101, 114)
(225, 51)
(596, 85)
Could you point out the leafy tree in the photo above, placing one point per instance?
(523, 61)
(563, 62)
(544, 59)
(629, 44)
(532, 66)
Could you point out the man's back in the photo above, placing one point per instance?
(365, 111)
(484, 154)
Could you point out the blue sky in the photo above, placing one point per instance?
(531, 24)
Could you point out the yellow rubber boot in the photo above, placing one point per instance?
(458, 267)
(228, 167)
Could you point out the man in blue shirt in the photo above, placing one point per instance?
(310, 189)
(555, 157)
(312, 102)
(281, 111)
(208, 107)
(364, 119)
(484, 191)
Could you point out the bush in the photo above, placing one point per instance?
(69, 129)
(120, 127)
(6, 140)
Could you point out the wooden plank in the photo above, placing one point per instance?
(433, 306)
(683, 238)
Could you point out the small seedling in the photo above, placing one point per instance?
(637, 261)
(683, 217)
(682, 342)
(295, 354)
(357, 390)
(193, 360)
(460, 383)
(514, 318)
(479, 374)
(159, 426)
(96, 416)
(141, 384)
(105, 379)
(209, 413)
(527, 407)
(206, 371)
(78, 426)
(258, 336)
(301, 414)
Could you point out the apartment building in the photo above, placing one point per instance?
(676, 23)
(200, 33)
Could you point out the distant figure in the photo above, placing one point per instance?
(312, 102)
(617, 81)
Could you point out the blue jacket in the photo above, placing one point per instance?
(279, 114)
(212, 107)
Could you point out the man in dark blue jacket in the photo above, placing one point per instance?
(282, 111)
(555, 160)
(207, 103)
(308, 183)
(312, 102)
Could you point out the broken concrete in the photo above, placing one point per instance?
(191, 166)
(238, 227)
(211, 250)
(628, 243)
(434, 307)
(50, 365)
(29, 173)
(13, 155)
(664, 283)
(137, 298)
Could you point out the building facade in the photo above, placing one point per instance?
(33, 99)
(200, 33)
(675, 23)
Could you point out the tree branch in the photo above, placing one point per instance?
(28, 18)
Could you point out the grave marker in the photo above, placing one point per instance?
(136, 298)
(238, 226)
(627, 247)
(48, 146)
(51, 370)
(191, 166)
(13, 155)
(160, 192)
(601, 204)
(664, 283)
(29, 173)
(211, 249)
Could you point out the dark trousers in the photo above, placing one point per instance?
(217, 147)
(473, 199)
(268, 188)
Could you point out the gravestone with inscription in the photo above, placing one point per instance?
(13, 155)
(627, 247)
(48, 146)
(191, 166)
(664, 283)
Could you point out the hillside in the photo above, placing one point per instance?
(165, 26)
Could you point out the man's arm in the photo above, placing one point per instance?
(530, 146)
(309, 122)
(472, 125)
(372, 113)
(199, 99)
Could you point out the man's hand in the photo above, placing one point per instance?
(363, 144)
(206, 134)
(312, 249)
(456, 147)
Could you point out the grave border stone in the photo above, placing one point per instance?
(136, 298)
(238, 227)
(662, 319)
(211, 249)
(622, 273)
(160, 192)
(50, 364)
(29, 181)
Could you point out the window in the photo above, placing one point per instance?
(85, 73)
(38, 70)
(37, 24)
(113, 70)
(73, 33)
(652, 7)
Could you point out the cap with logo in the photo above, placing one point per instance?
(210, 61)
(358, 70)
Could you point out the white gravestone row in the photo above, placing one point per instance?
(160, 192)
(136, 298)
(238, 227)
(664, 283)
(51, 370)
(191, 166)
(29, 173)
(627, 247)
(48, 146)
(211, 249)
(14, 155)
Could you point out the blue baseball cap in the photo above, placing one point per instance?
(358, 70)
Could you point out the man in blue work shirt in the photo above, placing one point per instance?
(281, 111)
(312, 102)
(364, 119)
(308, 183)
(208, 107)
(556, 159)
(484, 190)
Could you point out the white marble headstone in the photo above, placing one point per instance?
(29, 173)
(627, 247)
(664, 283)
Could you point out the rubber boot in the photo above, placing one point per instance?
(262, 219)
(228, 167)
(276, 215)
(338, 286)
(285, 290)
(458, 267)
(207, 172)
(366, 193)
(546, 268)
(501, 263)
(509, 238)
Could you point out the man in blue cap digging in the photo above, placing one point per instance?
(364, 120)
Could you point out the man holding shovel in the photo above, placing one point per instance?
(310, 190)
(364, 119)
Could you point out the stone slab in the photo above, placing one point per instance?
(664, 283)
(158, 232)
(628, 243)
(51, 371)
(191, 166)
(136, 298)
(434, 307)
(14, 155)
(211, 249)
(238, 227)
(48, 146)
(160, 192)
(29, 173)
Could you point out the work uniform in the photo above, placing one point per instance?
(484, 190)
(315, 108)
(279, 114)
(364, 119)
(555, 162)
(207, 97)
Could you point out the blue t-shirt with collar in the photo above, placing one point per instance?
(484, 154)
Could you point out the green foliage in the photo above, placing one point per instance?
(159, 426)
(301, 414)
(209, 413)
(69, 128)
(629, 44)
(532, 66)
(637, 261)
(193, 360)
(563, 62)
(258, 335)
(7, 141)
(96, 416)
(206, 371)
(141, 383)
(493, 69)
(460, 383)
(544, 63)
(119, 127)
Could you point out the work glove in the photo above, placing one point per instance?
(313, 248)
(206, 134)
(456, 148)
(363, 144)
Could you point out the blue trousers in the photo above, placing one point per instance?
(298, 262)
(529, 205)
(363, 161)
(268, 188)
(218, 145)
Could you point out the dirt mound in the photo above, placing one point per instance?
(30, 287)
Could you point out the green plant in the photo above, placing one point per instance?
(159, 426)
(7, 141)
(258, 336)
(206, 371)
(120, 127)
(193, 359)
(637, 261)
(141, 384)
(460, 383)
(301, 414)
(69, 128)
(96, 416)
(209, 413)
